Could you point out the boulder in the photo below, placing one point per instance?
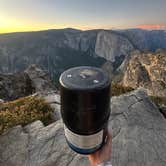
(138, 128)
(53, 99)
(40, 79)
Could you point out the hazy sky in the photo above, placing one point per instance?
(23, 15)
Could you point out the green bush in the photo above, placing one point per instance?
(23, 111)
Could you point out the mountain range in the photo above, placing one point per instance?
(57, 50)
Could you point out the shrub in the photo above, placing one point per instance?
(23, 111)
(159, 101)
(117, 89)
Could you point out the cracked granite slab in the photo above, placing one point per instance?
(139, 131)
(139, 134)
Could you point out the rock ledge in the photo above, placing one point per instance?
(139, 133)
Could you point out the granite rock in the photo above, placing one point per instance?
(147, 70)
(138, 129)
(14, 86)
(33, 79)
(39, 78)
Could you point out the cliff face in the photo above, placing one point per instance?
(147, 70)
(146, 39)
(110, 45)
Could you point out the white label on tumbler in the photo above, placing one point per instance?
(82, 141)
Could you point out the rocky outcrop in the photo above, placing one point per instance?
(39, 79)
(53, 99)
(36, 145)
(147, 70)
(14, 86)
(138, 138)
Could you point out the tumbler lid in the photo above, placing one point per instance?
(84, 77)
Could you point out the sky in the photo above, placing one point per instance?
(31, 15)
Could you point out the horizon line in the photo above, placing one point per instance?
(141, 27)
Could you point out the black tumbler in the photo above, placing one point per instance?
(85, 107)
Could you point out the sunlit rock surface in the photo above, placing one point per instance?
(147, 70)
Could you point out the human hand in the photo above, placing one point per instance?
(103, 154)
